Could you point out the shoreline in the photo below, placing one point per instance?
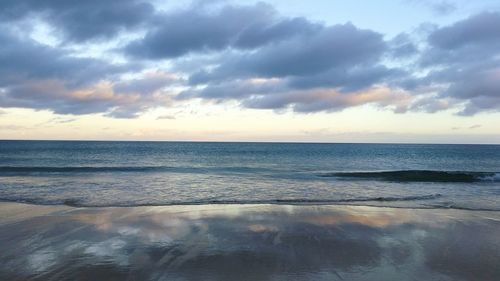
(262, 203)
(247, 242)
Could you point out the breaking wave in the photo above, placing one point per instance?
(80, 203)
(420, 176)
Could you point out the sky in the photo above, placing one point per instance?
(416, 71)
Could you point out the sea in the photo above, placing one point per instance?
(108, 173)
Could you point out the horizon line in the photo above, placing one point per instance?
(241, 141)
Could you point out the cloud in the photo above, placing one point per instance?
(56, 96)
(33, 75)
(149, 83)
(466, 41)
(203, 30)
(329, 100)
(13, 127)
(166, 117)
(100, 97)
(346, 79)
(464, 59)
(330, 69)
(402, 46)
(80, 21)
(249, 54)
(60, 120)
(476, 30)
(473, 127)
(339, 46)
(430, 105)
(441, 7)
(235, 89)
(273, 94)
(26, 59)
(37, 76)
(22, 59)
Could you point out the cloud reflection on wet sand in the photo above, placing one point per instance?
(251, 242)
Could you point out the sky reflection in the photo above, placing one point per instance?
(251, 242)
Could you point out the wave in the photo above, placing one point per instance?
(292, 201)
(79, 169)
(16, 170)
(429, 202)
(396, 176)
(420, 176)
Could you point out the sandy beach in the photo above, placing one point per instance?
(247, 242)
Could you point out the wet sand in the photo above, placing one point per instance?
(247, 242)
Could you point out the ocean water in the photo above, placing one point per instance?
(165, 173)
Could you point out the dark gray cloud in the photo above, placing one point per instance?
(430, 105)
(478, 30)
(324, 70)
(402, 46)
(37, 76)
(328, 100)
(470, 41)
(464, 61)
(264, 59)
(257, 35)
(248, 54)
(235, 89)
(149, 84)
(275, 94)
(339, 46)
(200, 30)
(57, 97)
(81, 20)
(347, 79)
(439, 7)
(25, 59)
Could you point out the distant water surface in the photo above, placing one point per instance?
(164, 173)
